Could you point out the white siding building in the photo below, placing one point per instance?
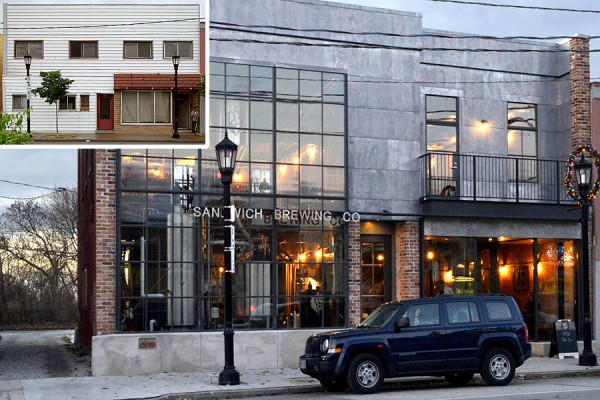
(119, 56)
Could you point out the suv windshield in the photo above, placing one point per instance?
(380, 316)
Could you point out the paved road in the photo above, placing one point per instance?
(39, 354)
(584, 388)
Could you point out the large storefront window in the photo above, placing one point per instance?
(506, 265)
(145, 107)
(289, 189)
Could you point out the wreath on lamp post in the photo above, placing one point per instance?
(571, 186)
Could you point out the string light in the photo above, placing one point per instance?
(571, 192)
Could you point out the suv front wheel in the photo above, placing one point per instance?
(365, 374)
(498, 367)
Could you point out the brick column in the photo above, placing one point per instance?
(106, 241)
(353, 273)
(406, 236)
(581, 122)
(580, 91)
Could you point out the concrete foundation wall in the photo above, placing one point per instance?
(114, 355)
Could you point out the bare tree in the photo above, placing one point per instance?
(40, 235)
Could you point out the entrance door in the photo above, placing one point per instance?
(183, 112)
(487, 256)
(376, 273)
(106, 120)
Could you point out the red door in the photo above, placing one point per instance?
(106, 118)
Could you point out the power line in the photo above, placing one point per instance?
(221, 25)
(59, 189)
(26, 198)
(478, 3)
(356, 45)
(342, 43)
(106, 25)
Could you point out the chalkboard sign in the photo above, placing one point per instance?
(564, 339)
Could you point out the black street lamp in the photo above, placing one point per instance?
(226, 154)
(583, 171)
(175, 124)
(27, 59)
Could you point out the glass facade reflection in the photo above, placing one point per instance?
(507, 266)
(289, 188)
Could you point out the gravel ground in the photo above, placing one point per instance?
(40, 354)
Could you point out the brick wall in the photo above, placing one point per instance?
(105, 241)
(406, 237)
(354, 273)
(580, 91)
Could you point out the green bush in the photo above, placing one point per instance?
(11, 129)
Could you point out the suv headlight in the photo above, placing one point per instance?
(324, 345)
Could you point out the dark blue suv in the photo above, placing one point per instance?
(450, 336)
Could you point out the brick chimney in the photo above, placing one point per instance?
(580, 91)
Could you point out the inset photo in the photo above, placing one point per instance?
(93, 72)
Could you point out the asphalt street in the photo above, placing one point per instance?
(538, 389)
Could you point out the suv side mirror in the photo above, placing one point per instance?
(403, 322)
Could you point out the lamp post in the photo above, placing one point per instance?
(27, 59)
(226, 154)
(175, 113)
(583, 171)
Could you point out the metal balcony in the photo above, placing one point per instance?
(476, 186)
(454, 176)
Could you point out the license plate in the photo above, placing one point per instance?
(302, 363)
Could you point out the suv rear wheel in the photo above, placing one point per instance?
(365, 374)
(498, 367)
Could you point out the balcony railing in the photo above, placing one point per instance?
(488, 178)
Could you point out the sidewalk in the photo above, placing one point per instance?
(187, 386)
(186, 138)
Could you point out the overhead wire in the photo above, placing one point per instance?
(59, 188)
(356, 45)
(221, 25)
(486, 4)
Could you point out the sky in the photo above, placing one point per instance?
(498, 21)
(51, 168)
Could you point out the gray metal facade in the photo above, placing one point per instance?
(387, 87)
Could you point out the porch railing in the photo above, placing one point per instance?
(492, 178)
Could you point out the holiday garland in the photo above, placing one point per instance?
(578, 152)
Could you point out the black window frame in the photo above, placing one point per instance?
(522, 161)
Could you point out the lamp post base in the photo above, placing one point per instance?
(588, 359)
(229, 376)
(175, 135)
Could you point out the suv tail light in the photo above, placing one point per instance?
(526, 333)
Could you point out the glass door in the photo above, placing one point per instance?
(487, 257)
(375, 273)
